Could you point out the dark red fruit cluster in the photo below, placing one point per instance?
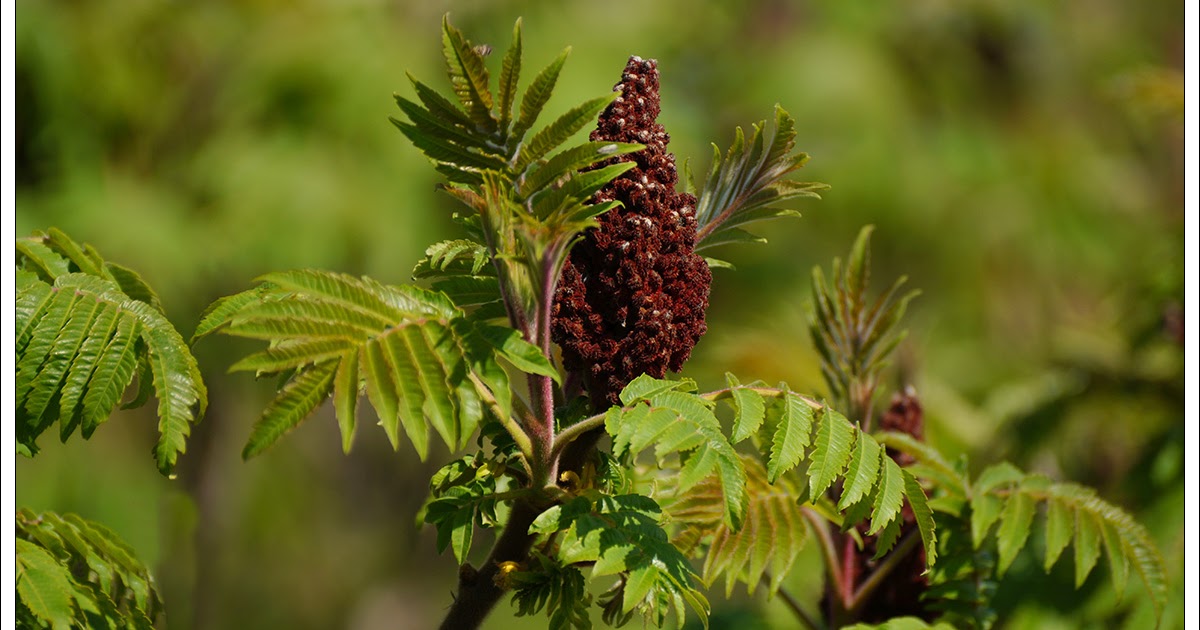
(633, 293)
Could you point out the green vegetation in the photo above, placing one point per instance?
(1040, 333)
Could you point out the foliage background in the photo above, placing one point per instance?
(1023, 162)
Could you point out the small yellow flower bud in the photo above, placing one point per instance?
(503, 570)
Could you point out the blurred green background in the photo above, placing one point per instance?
(1022, 161)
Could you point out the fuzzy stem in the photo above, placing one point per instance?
(541, 388)
(573, 432)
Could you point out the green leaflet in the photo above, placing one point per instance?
(512, 346)
(887, 537)
(454, 258)
(468, 291)
(858, 267)
(1075, 515)
(831, 451)
(858, 511)
(622, 535)
(930, 462)
(853, 338)
(567, 201)
(293, 354)
(421, 361)
(298, 398)
(462, 497)
(345, 397)
(1014, 529)
(218, 314)
(863, 471)
(44, 585)
(537, 94)
(133, 285)
(439, 108)
(381, 392)
(792, 418)
(510, 74)
(748, 184)
(732, 235)
(468, 74)
(749, 408)
(79, 340)
(890, 497)
(1118, 562)
(1060, 520)
(561, 130)
(923, 516)
(78, 254)
(114, 590)
(569, 161)
(444, 151)
(34, 255)
(769, 542)
(985, 508)
(1087, 545)
(645, 387)
(678, 422)
(560, 590)
(181, 395)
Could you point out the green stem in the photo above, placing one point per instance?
(718, 394)
(518, 434)
(572, 433)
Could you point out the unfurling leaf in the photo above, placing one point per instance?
(748, 184)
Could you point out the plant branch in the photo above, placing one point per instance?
(804, 618)
(718, 394)
(907, 543)
(477, 589)
(845, 588)
(820, 527)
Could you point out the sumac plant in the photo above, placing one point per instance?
(543, 346)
